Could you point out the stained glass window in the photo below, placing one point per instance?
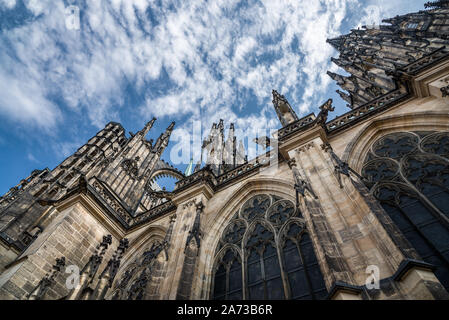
(408, 172)
(278, 256)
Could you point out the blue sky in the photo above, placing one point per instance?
(185, 61)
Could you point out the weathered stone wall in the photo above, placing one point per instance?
(349, 230)
(74, 234)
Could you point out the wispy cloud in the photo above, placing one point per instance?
(9, 4)
(200, 60)
(65, 149)
(183, 58)
(32, 158)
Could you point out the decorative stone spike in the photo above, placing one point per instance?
(301, 185)
(107, 277)
(283, 109)
(371, 55)
(196, 228)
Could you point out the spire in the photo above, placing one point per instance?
(171, 126)
(283, 109)
(147, 128)
(337, 43)
(229, 152)
(197, 166)
(370, 53)
(163, 139)
(189, 169)
(346, 97)
(339, 78)
(240, 154)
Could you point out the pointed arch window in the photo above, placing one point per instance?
(140, 278)
(408, 172)
(266, 253)
(301, 265)
(228, 277)
(263, 271)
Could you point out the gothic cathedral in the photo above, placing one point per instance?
(364, 196)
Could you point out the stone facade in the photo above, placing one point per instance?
(365, 191)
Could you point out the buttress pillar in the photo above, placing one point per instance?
(361, 252)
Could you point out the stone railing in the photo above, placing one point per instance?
(243, 169)
(204, 174)
(112, 202)
(217, 182)
(295, 126)
(124, 215)
(424, 62)
(153, 213)
(365, 110)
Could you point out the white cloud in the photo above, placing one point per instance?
(32, 158)
(25, 103)
(67, 148)
(374, 11)
(215, 54)
(9, 4)
(210, 50)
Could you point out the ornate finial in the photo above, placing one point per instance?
(95, 260)
(111, 269)
(301, 184)
(163, 139)
(346, 97)
(123, 245)
(277, 98)
(107, 240)
(337, 43)
(196, 233)
(171, 126)
(147, 128)
(322, 116)
(283, 109)
(341, 80)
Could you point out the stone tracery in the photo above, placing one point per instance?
(265, 253)
(408, 172)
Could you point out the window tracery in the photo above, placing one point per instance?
(134, 282)
(265, 253)
(131, 167)
(408, 172)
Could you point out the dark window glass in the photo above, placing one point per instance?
(418, 211)
(263, 269)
